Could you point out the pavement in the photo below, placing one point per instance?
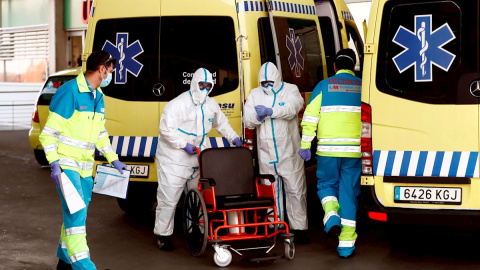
(30, 221)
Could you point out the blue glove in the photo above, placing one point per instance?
(237, 142)
(190, 149)
(55, 172)
(263, 112)
(260, 119)
(305, 154)
(120, 166)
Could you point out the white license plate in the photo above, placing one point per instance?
(433, 195)
(139, 171)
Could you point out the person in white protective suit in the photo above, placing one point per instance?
(272, 108)
(185, 123)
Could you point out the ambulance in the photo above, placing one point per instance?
(158, 45)
(420, 113)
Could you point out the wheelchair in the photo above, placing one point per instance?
(232, 204)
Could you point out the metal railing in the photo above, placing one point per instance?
(15, 115)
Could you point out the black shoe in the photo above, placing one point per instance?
(63, 265)
(165, 242)
(348, 256)
(300, 237)
(332, 236)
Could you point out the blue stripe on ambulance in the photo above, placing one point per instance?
(132, 146)
(426, 163)
(247, 6)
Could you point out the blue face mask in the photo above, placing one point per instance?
(105, 82)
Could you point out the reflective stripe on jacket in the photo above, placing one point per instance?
(76, 126)
(333, 114)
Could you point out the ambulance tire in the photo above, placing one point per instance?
(40, 157)
(141, 199)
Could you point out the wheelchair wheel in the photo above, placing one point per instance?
(289, 249)
(195, 222)
(224, 258)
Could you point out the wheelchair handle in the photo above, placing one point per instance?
(198, 151)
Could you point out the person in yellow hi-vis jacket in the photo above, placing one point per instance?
(74, 128)
(333, 115)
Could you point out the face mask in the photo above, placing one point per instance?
(105, 82)
(199, 97)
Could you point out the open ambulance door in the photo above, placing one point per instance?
(339, 28)
(293, 42)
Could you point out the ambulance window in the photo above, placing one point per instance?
(189, 43)
(299, 46)
(326, 29)
(135, 44)
(428, 51)
(50, 88)
(356, 44)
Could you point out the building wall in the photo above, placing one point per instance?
(23, 12)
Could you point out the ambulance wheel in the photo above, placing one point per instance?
(289, 250)
(224, 258)
(195, 222)
(40, 157)
(141, 199)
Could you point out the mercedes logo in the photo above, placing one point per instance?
(158, 89)
(475, 88)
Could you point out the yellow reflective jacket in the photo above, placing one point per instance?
(333, 114)
(76, 126)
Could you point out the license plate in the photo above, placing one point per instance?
(137, 171)
(428, 195)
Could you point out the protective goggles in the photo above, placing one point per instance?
(267, 84)
(204, 86)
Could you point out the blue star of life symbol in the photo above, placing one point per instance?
(295, 59)
(423, 48)
(125, 54)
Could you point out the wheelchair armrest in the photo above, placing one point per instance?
(210, 181)
(266, 176)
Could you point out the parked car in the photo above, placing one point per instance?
(40, 112)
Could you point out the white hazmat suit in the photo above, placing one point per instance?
(278, 141)
(186, 119)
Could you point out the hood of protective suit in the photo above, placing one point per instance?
(269, 72)
(201, 75)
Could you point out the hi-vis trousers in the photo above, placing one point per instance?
(73, 248)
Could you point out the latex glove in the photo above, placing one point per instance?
(260, 119)
(263, 111)
(238, 142)
(190, 149)
(305, 154)
(120, 166)
(56, 170)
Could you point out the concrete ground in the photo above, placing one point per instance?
(30, 220)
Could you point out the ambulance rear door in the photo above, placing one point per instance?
(425, 113)
(197, 34)
(130, 32)
(296, 42)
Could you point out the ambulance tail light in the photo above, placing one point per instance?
(250, 140)
(35, 117)
(366, 140)
(378, 216)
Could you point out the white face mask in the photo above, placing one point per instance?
(199, 97)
